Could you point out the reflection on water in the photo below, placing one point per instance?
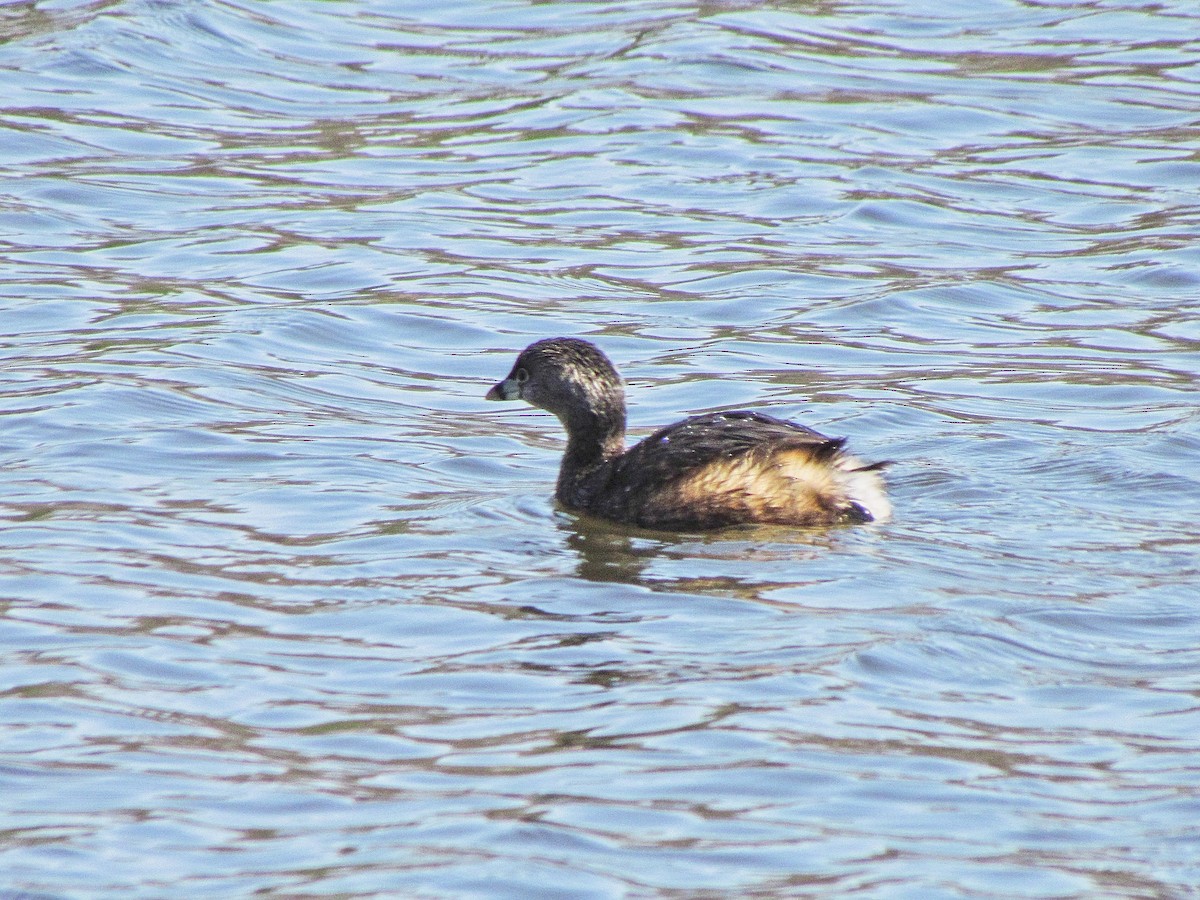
(606, 552)
(285, 603)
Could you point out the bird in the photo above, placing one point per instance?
(705, 472)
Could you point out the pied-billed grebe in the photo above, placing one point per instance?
(705, 472)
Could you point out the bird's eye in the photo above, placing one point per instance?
(522, 376)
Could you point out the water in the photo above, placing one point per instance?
(287, 609)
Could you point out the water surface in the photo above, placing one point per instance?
(287, 609)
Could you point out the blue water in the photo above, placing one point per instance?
(286, 608)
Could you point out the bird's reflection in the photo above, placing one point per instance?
(608, 552)
(612, 553)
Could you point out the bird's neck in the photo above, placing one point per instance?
(593, 439)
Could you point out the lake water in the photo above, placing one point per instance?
(286, 608)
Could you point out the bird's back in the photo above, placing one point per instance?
(733, 468)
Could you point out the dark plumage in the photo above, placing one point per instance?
(705, 472)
